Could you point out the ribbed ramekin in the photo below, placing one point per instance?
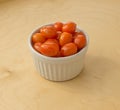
(58, 69)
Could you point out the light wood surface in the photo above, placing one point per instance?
(96, 88)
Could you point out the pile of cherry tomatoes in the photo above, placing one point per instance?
(58, 40)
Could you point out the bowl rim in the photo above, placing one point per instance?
(56, 58)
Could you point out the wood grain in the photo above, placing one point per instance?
(96, 88)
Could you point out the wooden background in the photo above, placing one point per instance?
(96, 88)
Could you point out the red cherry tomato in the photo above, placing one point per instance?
(37, 46)
(49, 31)
(80, 41)
(65, 38)
(38, 37)
(69, 27)
(58, 26)
(69, 49)
(50, 50)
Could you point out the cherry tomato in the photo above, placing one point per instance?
(80, 41)
(51, 41)
(65, 38)
(77, 33)
(58, 34)
(59, 40)
(69, 49)
(37, 46)
(69, 27)
(58, 26)
(50, 50)
(59, 54)
(38, 37)
(49, 31)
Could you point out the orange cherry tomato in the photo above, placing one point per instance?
(37, 46)
(38, 37)
(80, 41)
(69, 27)
(58, 34)
(58, 26)
(65, 38)
(50, 50)
(77, 33)
(59, 54)
(51, 41)
(49, 31)
(69, 49)
(59, 40)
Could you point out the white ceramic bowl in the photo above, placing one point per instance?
(62, 68)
